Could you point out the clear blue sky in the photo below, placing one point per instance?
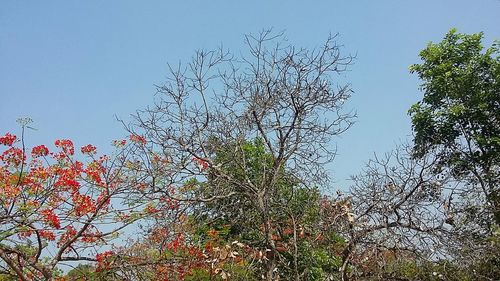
(72, 65)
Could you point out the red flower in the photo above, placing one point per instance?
(137, 139)
(51, 218)
(103, 200)
(25, 234)
(66, 145)
(40, 150)
(13, 155)
(83, 204)
(91, 237)
(150, 209)
(103, 256)
(119, 143)
(177, 243)
(69, 234)
(103, 260)
(202, 164)
(49, 235)
(88, 149)
(8, 139)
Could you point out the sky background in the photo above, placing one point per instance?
(72, 66)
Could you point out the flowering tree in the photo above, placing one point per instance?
(170, 254)
(57, 207)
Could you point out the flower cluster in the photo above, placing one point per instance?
(25, 234)
(8, 139)
(202, 164)
(66, 146)
(103, 200)
(39, 150)
(51, 218)
(137, 139)
(90, 236)
(83, 204)
(67, 179)
(47, 234)
(69, 234)
(88, 149)
(103, 260)
(150, 209)
(53, 194)
(119, 143)
(13, 156)
(94, 171)
(177, 243)
(10, 192)
(170, 204)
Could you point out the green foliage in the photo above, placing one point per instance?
(87, 272)
(198, 275)
(317, 262)
(240, 217)
(458, 118)
(250, 162)
(8, 277)
(442, 270)
(461, 94)
(247, 161)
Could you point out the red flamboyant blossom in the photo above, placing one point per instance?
(39, 150)
(91, 236)
(13, 156)
(67, 235)
(47, 234)
(67, 179)
(60, 207)
(103, 260)
(51, 218)
(66, 145)
(119, 143)
(202, 164)
(137, 139)
(83, 204)
(25, 234)
(94, 171)
(88, 149)
(151, 209)
(103, 200)
(170, 204)
(177, 243)
(8, 139)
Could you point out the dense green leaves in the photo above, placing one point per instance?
(461, 95)
(459, 116)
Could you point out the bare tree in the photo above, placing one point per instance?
(284, 96)
(399, 205)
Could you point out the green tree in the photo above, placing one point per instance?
(295, 217)
(87, 272)
(458, 119)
